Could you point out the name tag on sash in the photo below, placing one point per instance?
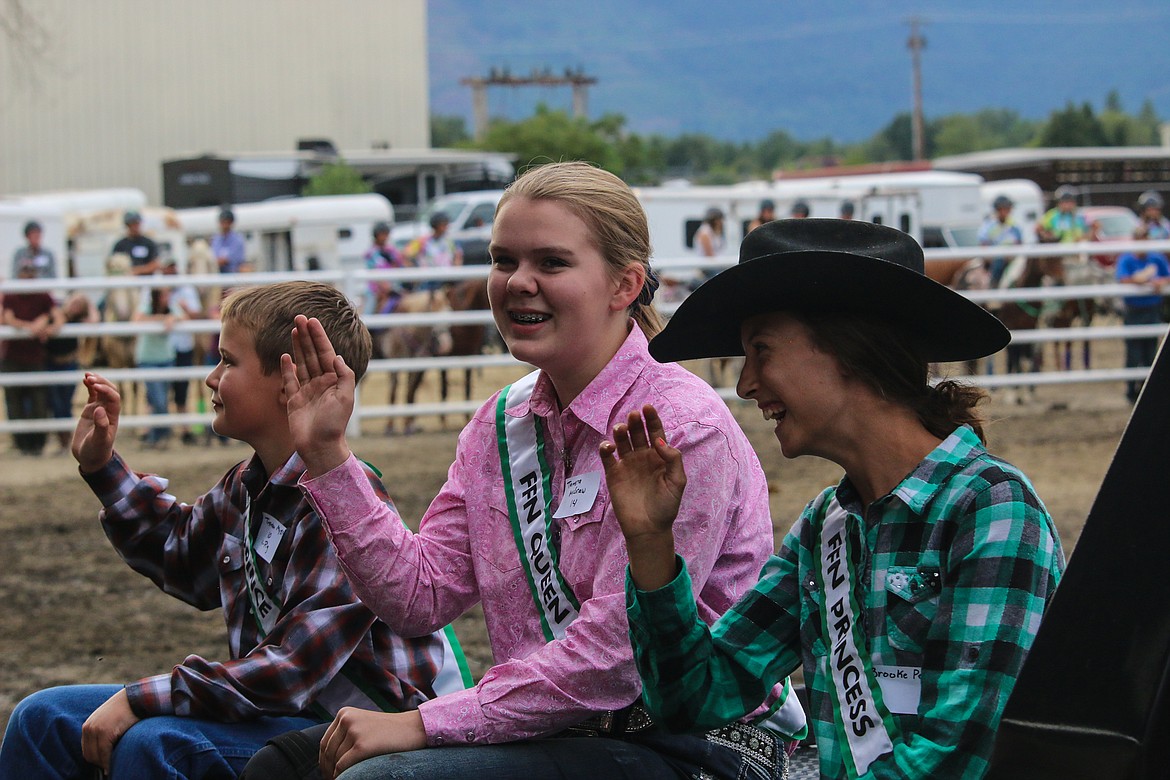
(901, 688)
(580, 493)
(268, 540)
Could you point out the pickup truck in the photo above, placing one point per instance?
(471, 215)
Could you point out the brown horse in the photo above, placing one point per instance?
(1027, 315)
(468, 295)
(1073, 311)
(414, 341)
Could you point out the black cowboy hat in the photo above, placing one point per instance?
(826, 265)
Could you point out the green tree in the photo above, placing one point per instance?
(991, 128)
(1073, 126)
(338, 178)
(448, 131)
(552, 136)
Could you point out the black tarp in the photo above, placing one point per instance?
(1091, 701)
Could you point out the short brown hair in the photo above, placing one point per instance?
(268, 312)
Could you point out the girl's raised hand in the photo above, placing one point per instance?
(645, 479)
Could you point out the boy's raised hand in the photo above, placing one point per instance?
(645, 479)
(319, 388)
(93, 439)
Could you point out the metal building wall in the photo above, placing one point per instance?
(125, 84)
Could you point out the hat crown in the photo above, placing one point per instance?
(833, 235)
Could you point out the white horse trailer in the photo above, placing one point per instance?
(58, 214)
(95, 234)
(329, 232)
(675, 213)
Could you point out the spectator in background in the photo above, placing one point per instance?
(382, 294)
(34, 255)
(1157, 227)
(710, 239)
(228, 246)
(799, 210)
(1061, 224)
(1146, 269)
(846, 211)
(435, 250)
(766, 215)
(61, 354)
(36, 314)
(156, 350)
(143, 252)
(1000, 230)
(187, 304)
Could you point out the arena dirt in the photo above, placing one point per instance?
(72, 612)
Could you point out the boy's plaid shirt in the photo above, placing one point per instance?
(195, 553)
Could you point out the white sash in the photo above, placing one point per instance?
(527, 486)
(346, 689)
(865, 728)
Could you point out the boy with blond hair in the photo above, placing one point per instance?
(301, 643)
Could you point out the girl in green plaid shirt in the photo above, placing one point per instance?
(911, 591)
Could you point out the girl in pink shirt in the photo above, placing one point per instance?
(524, 525)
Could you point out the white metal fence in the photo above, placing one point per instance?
(355, 282)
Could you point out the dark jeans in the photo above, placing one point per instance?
(26, 403)
(1140, 352)
(181, 389)
(638, 757)
(61, 396)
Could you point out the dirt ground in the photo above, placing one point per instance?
(72, 612)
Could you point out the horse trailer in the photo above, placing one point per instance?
(59, 215)
(328, 232)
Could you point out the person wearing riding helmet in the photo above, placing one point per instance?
(435, 250)
(999, 229)
(382, 294)
(1061, 224)
(911, 591)
(1157, 227)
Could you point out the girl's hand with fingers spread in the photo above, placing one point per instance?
(645, 479)
(319, 390)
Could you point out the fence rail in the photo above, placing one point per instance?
(355, 282)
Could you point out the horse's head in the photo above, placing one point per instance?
(118, 264)
(200, 260)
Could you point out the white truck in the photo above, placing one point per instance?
(471, 215)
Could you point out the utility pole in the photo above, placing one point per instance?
(916, 44)
(543, 78)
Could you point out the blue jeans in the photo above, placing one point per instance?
(650, 757)
(43, 740)
(158, 399)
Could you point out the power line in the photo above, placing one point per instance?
(916, 44)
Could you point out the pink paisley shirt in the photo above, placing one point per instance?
(465, 552)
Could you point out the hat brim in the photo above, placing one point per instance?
(943, 325)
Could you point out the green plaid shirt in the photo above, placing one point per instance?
(958, 563)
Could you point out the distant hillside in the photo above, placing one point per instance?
(839, 69)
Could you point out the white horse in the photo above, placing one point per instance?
(119, 305)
